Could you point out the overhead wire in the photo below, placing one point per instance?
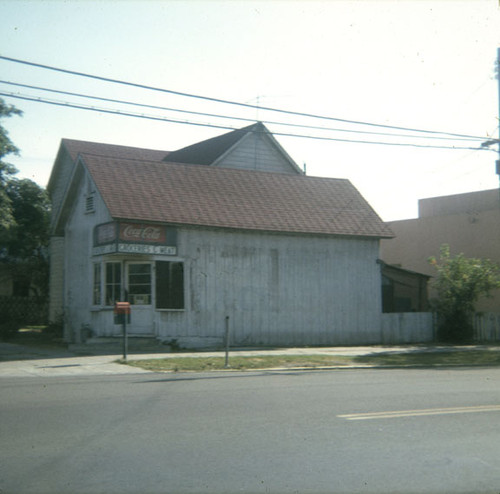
(228, 102)
(227, 127)
(228, 117)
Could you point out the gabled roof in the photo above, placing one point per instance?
(75, 147)
(211, 150)
(207, 196)
(206, 152)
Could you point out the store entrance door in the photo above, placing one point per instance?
(139, 277)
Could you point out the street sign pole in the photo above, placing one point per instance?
(226, 364)
(125, 336)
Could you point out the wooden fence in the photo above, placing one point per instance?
(407, 327)
(487, 327)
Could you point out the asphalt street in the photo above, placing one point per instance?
(342, 431)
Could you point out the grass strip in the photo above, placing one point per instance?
(199, 364)
(179, 364)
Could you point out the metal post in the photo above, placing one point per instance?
(125, 342)
(226, 364)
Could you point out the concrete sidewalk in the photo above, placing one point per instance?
(26, 361)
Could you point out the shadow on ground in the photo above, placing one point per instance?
(35, 344)
(435, 356)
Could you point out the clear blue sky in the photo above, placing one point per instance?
(419, 64)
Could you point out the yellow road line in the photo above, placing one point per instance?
(418, 413)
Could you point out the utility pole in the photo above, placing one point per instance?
(498, 79)
(492, 142)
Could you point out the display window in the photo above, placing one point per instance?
(159, 284)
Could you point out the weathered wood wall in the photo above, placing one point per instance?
(255, 152)
(276, 290)
(78, 263)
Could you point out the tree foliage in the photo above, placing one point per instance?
(24, 222)
(24, 249)
(460, 282)
(6, 169)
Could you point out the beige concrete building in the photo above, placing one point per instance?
(469, 223)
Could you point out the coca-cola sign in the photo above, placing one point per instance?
(143, 233)
(117, 237)
(116, 232)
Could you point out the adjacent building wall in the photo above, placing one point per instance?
(469, 223)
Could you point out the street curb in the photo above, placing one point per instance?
(322, 368)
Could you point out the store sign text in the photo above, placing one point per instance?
(134, 238)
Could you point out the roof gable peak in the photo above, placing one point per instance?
(213, 151)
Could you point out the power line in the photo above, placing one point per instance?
(199, 124)
(228, 117)
(218, 100)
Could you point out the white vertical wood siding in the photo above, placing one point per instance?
(256, 152)
(78, 264)
(276, 290)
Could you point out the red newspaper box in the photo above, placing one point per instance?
(122, 312)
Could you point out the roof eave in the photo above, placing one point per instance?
(248, 229)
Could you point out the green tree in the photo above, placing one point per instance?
(6, 169)
(459, 283)
(24, 227)
(25, 246)
(24, 222)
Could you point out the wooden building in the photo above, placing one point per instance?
(226, 228)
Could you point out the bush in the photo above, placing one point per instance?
(459, 283)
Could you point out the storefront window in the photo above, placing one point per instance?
(139, 284)
(96, 296)
(134, 282)
(113, 282)
(169, 285)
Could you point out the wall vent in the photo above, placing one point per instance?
(89, 204)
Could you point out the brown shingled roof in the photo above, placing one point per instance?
(230, 198)
(75, 147)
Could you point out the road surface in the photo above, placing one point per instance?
(345, 431)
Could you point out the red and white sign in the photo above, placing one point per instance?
(143, 233)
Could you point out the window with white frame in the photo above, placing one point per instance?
(139, 283)
(113, 282)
